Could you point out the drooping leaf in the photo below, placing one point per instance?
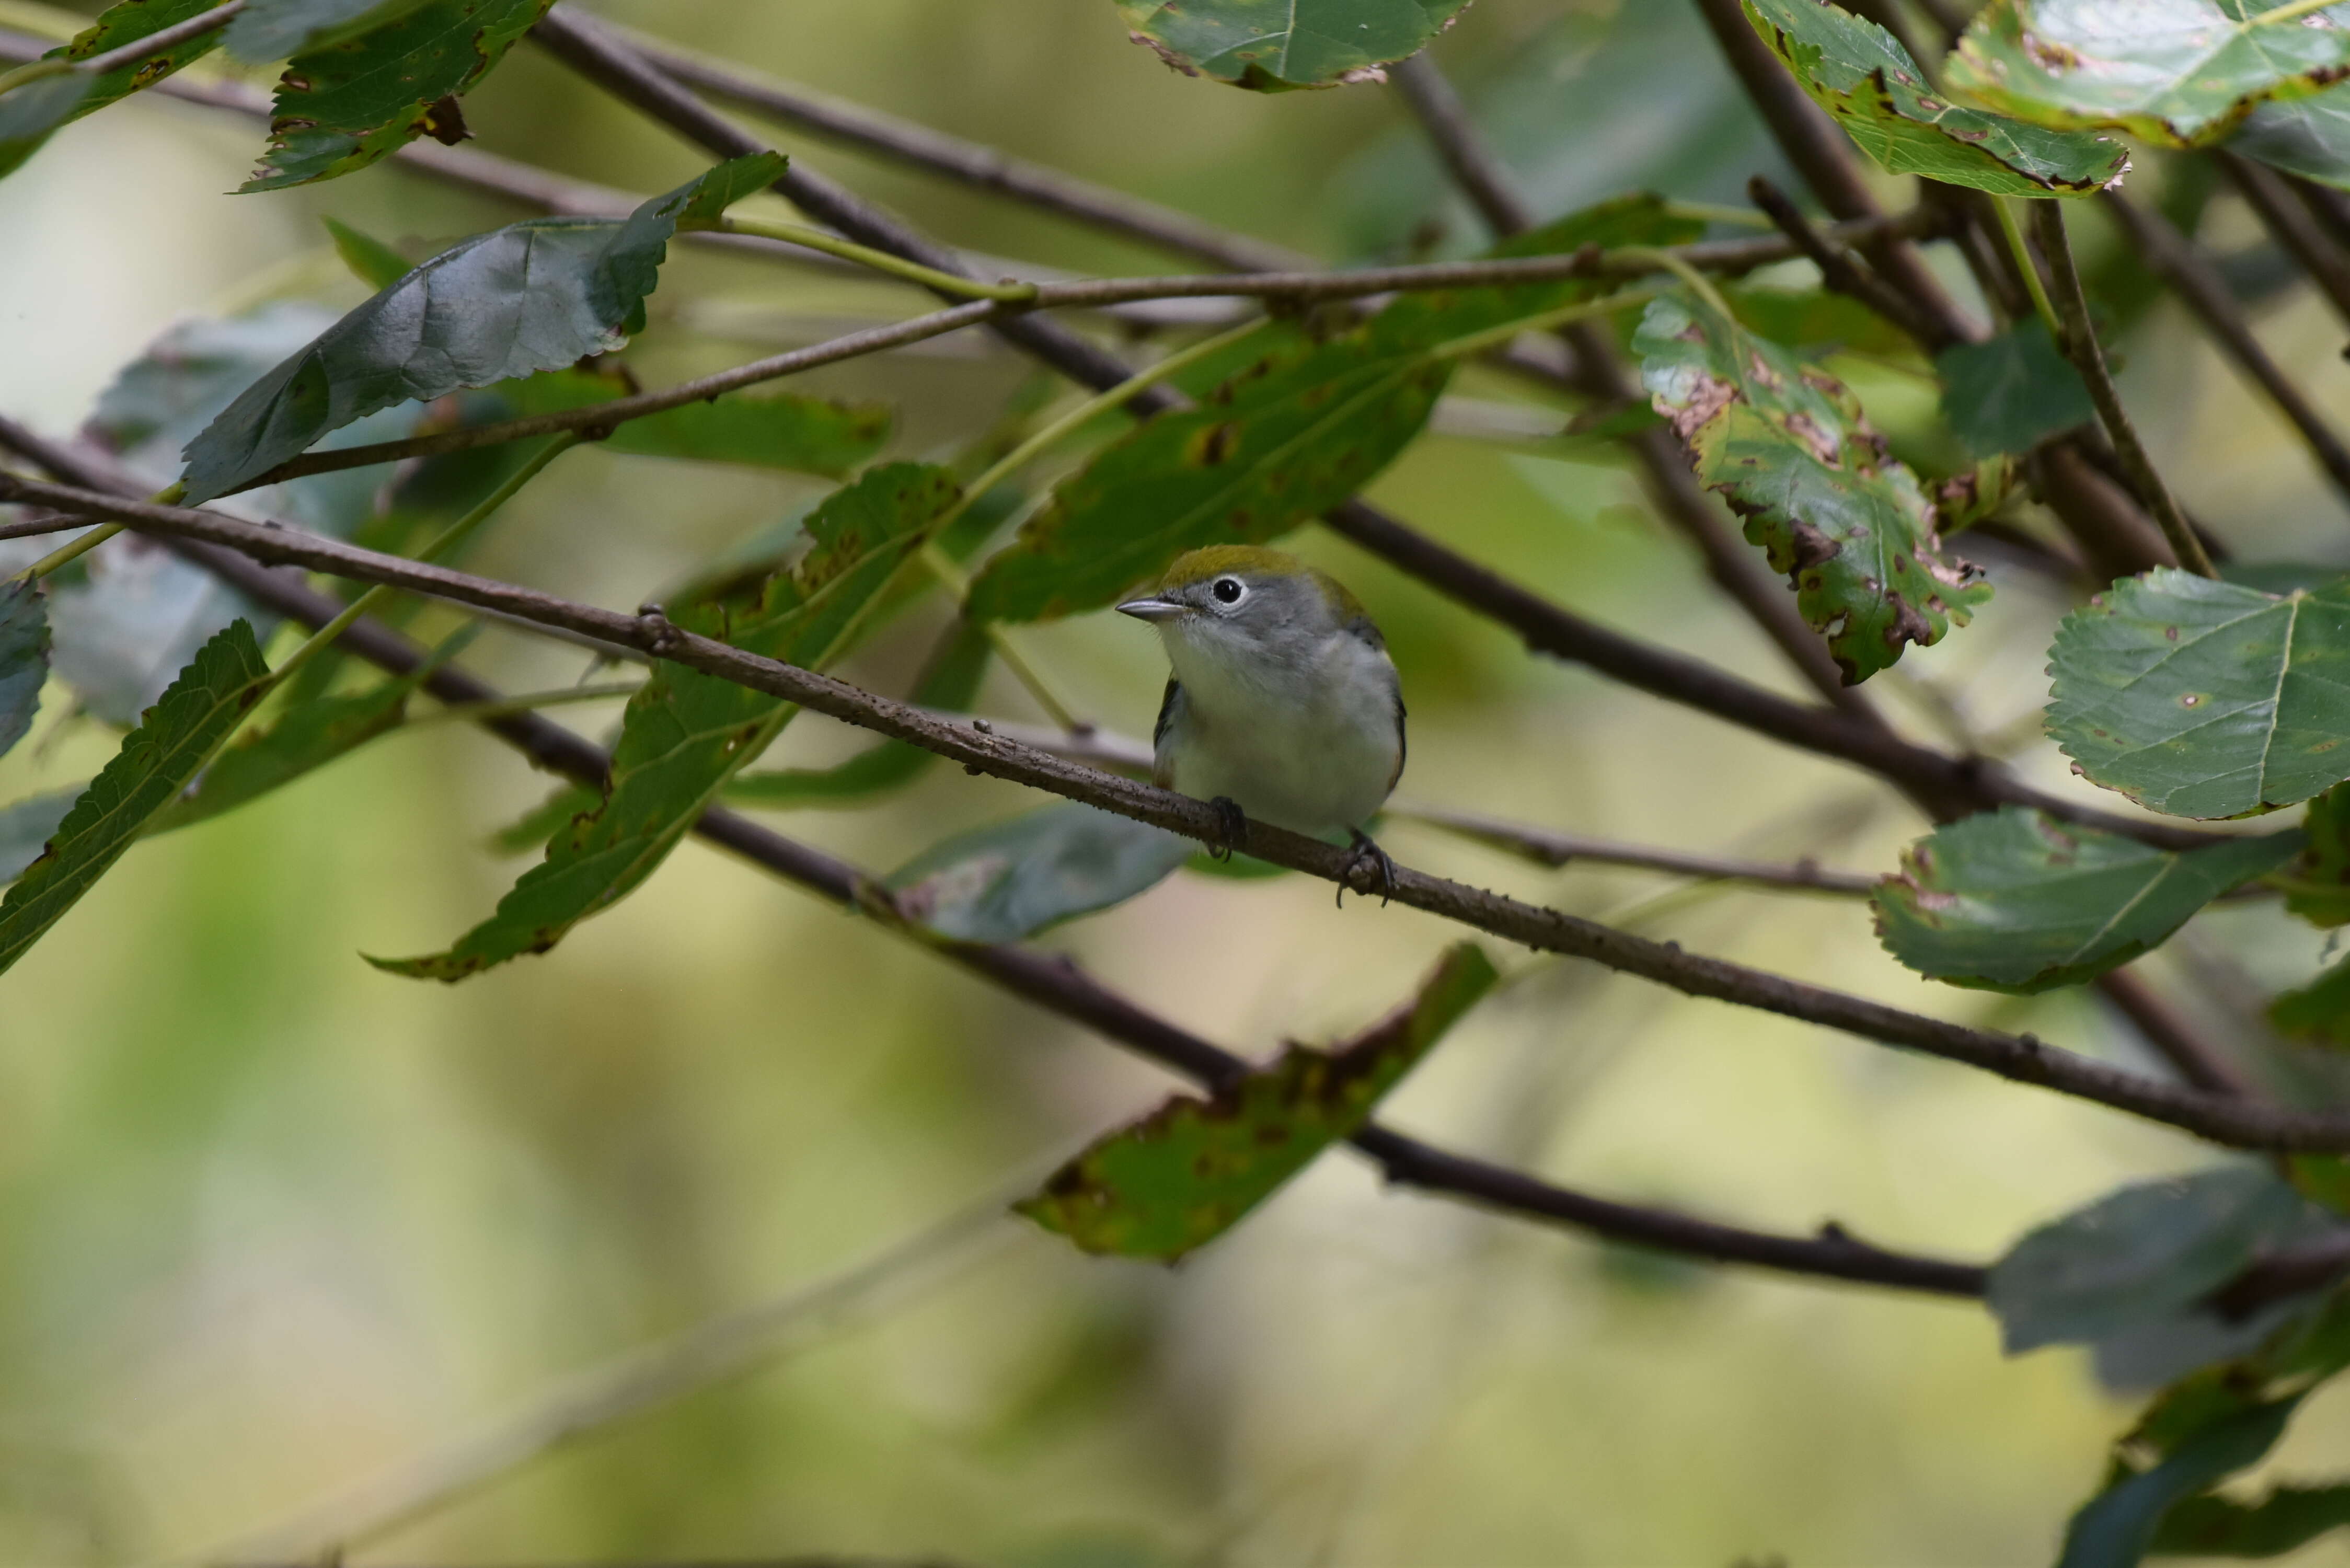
(2139, 1254)
(1294, 43)
(2288, 1518)
(341, 107)
(2305, 136)
(533, 295)
(1787, 446)
(25, 825)
(125, 23)
(1186, 1173)
(2011, 393)
(768, 429)
(2176, 72)
(541, 822)
(2206, 699)
(24, 659)
(1859, 72)
(950, 681)
(685, 734)
(2012, 901)
(155, 762)
(2319, 887)
(272, 29)
(1289, 437)
(2117, 1527)
(30, 113)
(371, 261)
(308, 735)
(1011, 880)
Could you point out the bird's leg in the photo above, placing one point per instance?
(1367, 854)
(1231, 827)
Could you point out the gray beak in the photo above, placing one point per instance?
(1153, 609)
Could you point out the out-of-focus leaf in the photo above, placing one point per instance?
(770, 429)
(30, 114)
(2011, 393)
(2139, 1254)
(1292, 436)
(371, 261)
(155, 762)
(125, 23)
(685, 734)
(2116, 1528)
(2205, 699)
(1185, 1174)
(2288, 1518)
(25, 825)
(541, 822)
(1011, 880)
(2305, 136)
(2012, 901)
(307, 736)
(2320, 1009)
(533, 295)
(2320, 892)
(342, 107)
(1787, 446)
(24, 659)
(1294, 44)
(2178, 72)
(1858, 72)
(1814, 322)
(270, 30)
(950, 681)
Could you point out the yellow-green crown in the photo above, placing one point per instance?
(1255, 560)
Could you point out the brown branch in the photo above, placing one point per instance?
(1545, 847)
(2294, 223)
(1840, 271)
(1465, 154)
(2022, 1059)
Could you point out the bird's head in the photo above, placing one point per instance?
(1241, 601)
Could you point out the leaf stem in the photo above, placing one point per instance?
(880, 261)
(1544, 320)
(2080, 343)
(2024, 264)
(1717, 213)
(74, 550)
(957, 583)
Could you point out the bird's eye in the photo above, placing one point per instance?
(1228, 590)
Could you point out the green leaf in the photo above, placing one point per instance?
(155, 762)
(2290, 1517)
(533, 295)
(307, 736)
(950, 681)
(1813, 322)
(768, 429)
(2318, 881)
(1858, 72)
(24, 659)
(685, 734)
(1011, 880)
(1787, 446)
(28, 114)
(2320, 1009)
(2117, 1527)
(1291, 436)
(340, 107)
(270, 30)
(2138, 1254)
(2012, 392)
(1269, 47)
(126, 23)
(371, 261)
(25, 825)
(2178, 72)
(2012, 901)
(1185, 1174)
(2204, 699)
(541, 822)
(2305, 136)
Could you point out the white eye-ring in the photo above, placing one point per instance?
(1229, 590)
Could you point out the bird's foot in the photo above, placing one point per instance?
(1231, 827)
(1372, 864)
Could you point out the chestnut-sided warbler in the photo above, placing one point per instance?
(1282, 705)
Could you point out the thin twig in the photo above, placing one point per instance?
(1467, 156)
(1840, 271)
(1546, 846)
(131, 53)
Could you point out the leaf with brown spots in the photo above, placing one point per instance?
(1273, 47)
(1786, 444)
(1185, 1174)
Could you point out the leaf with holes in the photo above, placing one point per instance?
(2011, 900)
(270, 30)
(533, 295)
(2206, 699)
(1861, 74)
(766, 429)
(154, 764)
(1270, 47)
(1187, 1173)
(685, 734)
(125, 23)
(24, 659)
(949, 683)
(2012, 392)
(2176, 72)
(1786, 444)
(1011, 879)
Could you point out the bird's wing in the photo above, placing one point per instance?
(1162, 755)
(1400, 747)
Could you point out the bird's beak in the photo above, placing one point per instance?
(1153, 609)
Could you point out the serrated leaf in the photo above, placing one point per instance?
(2288, 1518)
(949, 681)
(768, 429)
(2012, 901)
(25, 825)
(685, 734)
(1011, 879)
(533, 295)
(155, 762)
(2139, 1254)
(270, 30)
(2305, 136)
(2205, 699)
(30, 113)
(340, 107)
(371, 261)
(1182, 1176)
(24, 659)
(126, 23)
(1269, 47)
(2011, 393)
(1863, 77)
(1286, 439)
(2178, 72)
(305, 737)
(1787, 446)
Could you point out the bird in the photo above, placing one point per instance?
(1281, 704)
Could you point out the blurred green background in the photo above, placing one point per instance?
(273, 1223)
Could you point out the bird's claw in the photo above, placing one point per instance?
(1369, 857)
(1231, 827)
